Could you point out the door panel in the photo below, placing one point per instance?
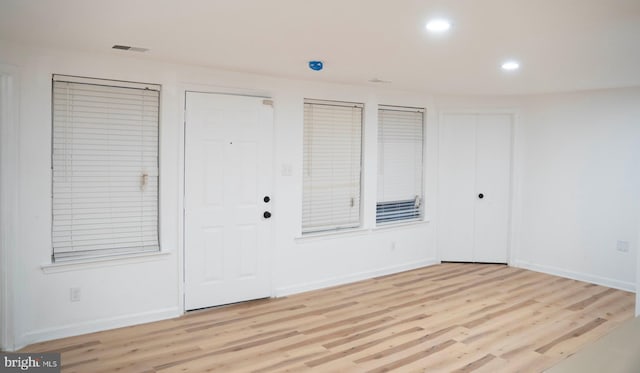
(214, 176)
(228, 170)
(493, 169)
(214, 253)
(456, 190)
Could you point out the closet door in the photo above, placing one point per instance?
(474, 187)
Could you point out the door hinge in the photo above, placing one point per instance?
(267, 102)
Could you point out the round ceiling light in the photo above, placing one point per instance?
(438, 25)
(510, 65)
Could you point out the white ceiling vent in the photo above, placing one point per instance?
(378, 80)
(129, 48)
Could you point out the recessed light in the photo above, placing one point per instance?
(510, 65)
(438, 25)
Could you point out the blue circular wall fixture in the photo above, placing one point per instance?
(316, 65)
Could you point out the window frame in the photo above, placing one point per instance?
(82, 256)
(336, 229)
(422, 205)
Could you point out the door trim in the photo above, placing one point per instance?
(185, 88)
(514, 177)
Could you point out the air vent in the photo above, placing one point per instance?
(129, 48)
(377, 80)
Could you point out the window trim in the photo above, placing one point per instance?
(104, 261)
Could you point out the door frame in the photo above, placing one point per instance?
(183, 89)
(514, 199)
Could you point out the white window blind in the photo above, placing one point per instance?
(105, 167)
(332, 163)
(400, 147)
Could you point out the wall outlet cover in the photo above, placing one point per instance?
(623, 246)
(74, 294)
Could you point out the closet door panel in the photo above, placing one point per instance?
(456, 187)
(493, 170)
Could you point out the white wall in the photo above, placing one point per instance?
(124, 292)
(113, 294)
(580, 185)
(575, 193)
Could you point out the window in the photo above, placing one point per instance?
(400, 146)
(105, 167)
(332, 163)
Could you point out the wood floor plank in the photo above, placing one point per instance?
(616, 308)
(476, 364)
(360, 348)
(415, 342)
(451, 317)
(575, 333)
(390, 353)
(358, 336)
(550, 325)
(414, 357)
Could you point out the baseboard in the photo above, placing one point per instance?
(96, 326)
(341, 280)
(598, 280)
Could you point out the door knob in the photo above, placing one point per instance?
(481, 196)
(266, 199)
(266, 214)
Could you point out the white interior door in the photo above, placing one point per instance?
(474, 187)
(228, 173)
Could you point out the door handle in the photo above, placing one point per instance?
(481, 196)
(266, 215)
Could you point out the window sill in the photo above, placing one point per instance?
(401, 224)
(328, 235)
(90, 263)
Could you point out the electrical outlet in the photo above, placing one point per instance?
(74, 294)
(393, 245)
(623, 246)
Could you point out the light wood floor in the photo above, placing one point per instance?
(448, 317)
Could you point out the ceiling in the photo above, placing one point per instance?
(562, 45)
